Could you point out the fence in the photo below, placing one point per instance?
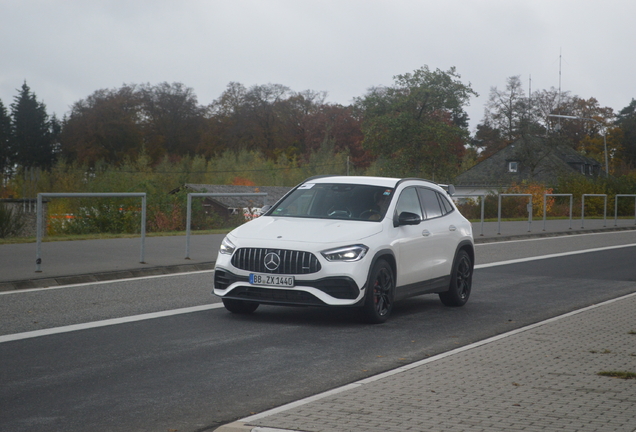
(39, 220)
(583, 208)
(545, 206)
(483, 201)
(616, 207)
(545, 197)
(529, 207)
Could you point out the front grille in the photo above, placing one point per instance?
(291, 262)
(275, 296)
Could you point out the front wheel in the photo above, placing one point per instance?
(461, 281)
(240, 306)
(378, 302)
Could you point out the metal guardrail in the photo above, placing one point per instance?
(583, 208)
(213, 195)
(483, 200)
(616, 207)
(142, 195)
(545, 212)
(529, 207)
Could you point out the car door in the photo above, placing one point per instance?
(440, 238)
(410, 242)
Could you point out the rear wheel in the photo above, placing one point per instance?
(378, 302)
(461, 281)
(240, 306)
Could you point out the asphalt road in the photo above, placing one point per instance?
(195, 371)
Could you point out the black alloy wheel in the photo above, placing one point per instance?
(379, 298)
(461, 281)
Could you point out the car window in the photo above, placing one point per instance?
(446, 206)
(430, 203)
(336, 201)
(409, 202)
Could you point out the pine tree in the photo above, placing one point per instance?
(32, 138)
(5, 141)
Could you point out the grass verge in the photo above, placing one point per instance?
(618, 374)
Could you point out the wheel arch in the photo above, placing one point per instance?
(389, 257)
(467, 246)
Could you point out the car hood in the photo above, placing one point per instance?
(306, 230)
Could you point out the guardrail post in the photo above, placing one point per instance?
(499, 216)
(529, 207)
(38, 230)
(545, 209)
(483, 199)
(616, 207)
(142, 259)
(40, 221)
(583, 208)
(188, 223)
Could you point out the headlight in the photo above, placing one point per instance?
(347, 253)
(227, 247)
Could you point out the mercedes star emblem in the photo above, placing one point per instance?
(272, 261)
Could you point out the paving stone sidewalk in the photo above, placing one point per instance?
(539, 378)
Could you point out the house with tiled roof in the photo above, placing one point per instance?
(226, 206)
(531, 159)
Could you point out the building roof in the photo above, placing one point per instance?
(274, 193)
(536, 159)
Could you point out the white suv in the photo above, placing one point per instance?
(349, 241)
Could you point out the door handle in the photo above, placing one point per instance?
(452, 228)
(426, 233)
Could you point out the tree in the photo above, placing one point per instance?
(172, 120)
(6, 151)
(253, 119)
(507, 109)
(32, 138)
(104, 127)
(419, 123)
(626, 120)
(511, 115)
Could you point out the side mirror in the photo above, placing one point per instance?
(407, 218)
(265, 208)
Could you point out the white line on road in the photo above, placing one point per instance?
(556, 255)
(108, 322)
(557, 237)
(114, 321)
(104, 282)
(416, 364)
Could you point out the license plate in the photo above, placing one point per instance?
(271, 280)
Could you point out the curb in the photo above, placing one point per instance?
(103, 277)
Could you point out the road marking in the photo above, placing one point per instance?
(556, 255)
(103, 282)
(142, 317)
(416, 364)
(108, 322)
(556, 237)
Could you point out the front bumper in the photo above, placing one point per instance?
(328, 291)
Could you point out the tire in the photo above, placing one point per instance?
(378, 302)
(240, 306)
(461, 281)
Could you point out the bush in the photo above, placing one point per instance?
(99, 215)
(11, 222)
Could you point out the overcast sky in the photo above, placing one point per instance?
(67, 49)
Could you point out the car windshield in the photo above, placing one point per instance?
(336, 201)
